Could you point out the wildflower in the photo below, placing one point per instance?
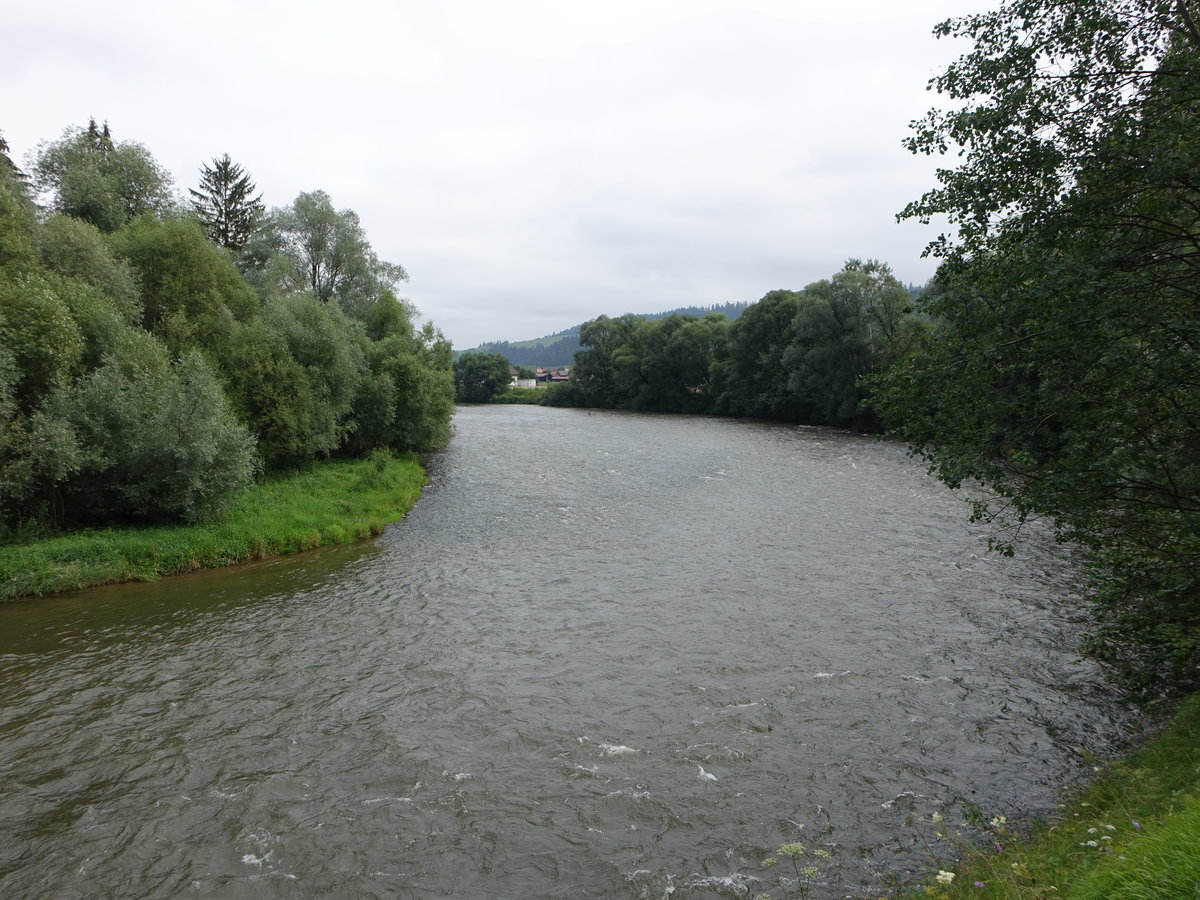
(1110, 827)
(792, 850)
(980, 884)
(936, 818)
(768, 862)
(809, 871)
(823, 854)
(998, 822)
(944, 877)
(1091, 831)
(1089, 844)
(1136, 824)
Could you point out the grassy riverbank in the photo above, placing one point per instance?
(327, 503)
(1133, 835)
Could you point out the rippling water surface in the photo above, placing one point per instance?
(606, 655)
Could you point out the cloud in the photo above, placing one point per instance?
(533, 163)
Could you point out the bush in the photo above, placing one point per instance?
(158, 440)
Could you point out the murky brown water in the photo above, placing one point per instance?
(605, 656)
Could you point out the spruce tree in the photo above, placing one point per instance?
(225, 203)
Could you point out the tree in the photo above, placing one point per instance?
(478, 377)
(751, 379)
(77, 249)
(226, 204)
(157, 439)
(191, 291)
(593, 377)
(1066, 371)
(846, 328)
(420, 367)
(312, 246)
(16, 215)
(39, 336)
(105, 183)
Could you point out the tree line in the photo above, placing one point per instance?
(155, 354)
(794, 356)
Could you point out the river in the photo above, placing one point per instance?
(605, 655)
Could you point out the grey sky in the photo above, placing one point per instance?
(532, 164)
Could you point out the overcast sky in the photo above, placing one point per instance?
(532, 164)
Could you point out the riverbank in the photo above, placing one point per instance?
(1133, 834)
(330, 502)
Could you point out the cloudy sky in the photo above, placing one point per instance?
(533, 164)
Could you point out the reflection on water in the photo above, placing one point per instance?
(606, 655)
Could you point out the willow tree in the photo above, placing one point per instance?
(90, 176)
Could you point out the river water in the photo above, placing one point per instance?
(606, 655)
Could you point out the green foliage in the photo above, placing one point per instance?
(846, 329)
(1064, 374)
(16, 218)
(158, 441)
(38, 333)
(419, 369)
(138, 366)
(92, 178)
(77, 249)
(323, 343)
(751, 379)
(794, 356)
(191, 290)
(479, 376)
(310, 246)
(225, 204)
(594, 374)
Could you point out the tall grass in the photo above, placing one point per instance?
(329, 503)
(1133, 835)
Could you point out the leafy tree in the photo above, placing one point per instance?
(274, 395)
(1064, 375)
(76, 249)
(39, 336)
(478, 377)
(751, 379)
(105, 183)
(421, 370)
(846, 328)
(226, 204)
(325, 344)
(594, 375)
(191, 290)
(310, 246)
(157, 440)
(664, 365)
(407, 400)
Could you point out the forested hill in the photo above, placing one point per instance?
(559, 349)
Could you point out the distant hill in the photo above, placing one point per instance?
(559, 349)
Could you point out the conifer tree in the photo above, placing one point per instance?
(225, 203)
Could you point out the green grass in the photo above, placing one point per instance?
(1133, 835)
(329, 503)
